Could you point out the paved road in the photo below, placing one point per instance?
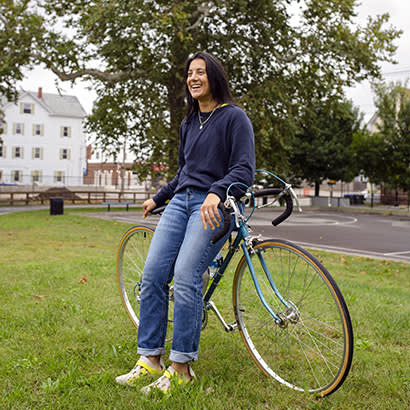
(386, 237)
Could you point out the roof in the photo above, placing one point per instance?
(55, 104)
(62, 105)
(372, 120)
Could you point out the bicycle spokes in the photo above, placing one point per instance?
(310, 347)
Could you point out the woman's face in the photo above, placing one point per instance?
(197, 80)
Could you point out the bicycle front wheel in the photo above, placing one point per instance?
(309, 345)
(131, 257)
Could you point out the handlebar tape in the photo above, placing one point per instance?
(227, 223)
(288, 200)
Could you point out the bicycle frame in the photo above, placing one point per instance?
(244, 241)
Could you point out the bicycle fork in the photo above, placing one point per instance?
(291, 314)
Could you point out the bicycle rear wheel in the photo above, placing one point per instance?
(310, 349)
(131, 257)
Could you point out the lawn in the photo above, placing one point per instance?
(64, 334)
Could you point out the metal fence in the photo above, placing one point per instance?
(71, 196)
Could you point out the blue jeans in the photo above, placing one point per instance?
(180, 249)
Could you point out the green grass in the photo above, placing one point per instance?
(64, 335)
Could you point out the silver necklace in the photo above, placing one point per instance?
(202, 123)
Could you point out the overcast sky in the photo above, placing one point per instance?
(361, 95)
(399, 11)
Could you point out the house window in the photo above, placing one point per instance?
(1, 175)
(59, 176)
(36, 176)
(16, 176)
(18, 128)
(18, 152)
(65, 132)
(38, 129)
(26, 108)
(65, 153)
(2, 151)
(37, 153)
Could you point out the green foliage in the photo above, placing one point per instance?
(371, 156)
(393, 110)
(279, 55)
(20, 31)
(323, 144)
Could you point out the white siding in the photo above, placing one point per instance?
(50, 142)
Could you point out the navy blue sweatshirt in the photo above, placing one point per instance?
(212, 158)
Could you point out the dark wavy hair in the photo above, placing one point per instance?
(218, 82)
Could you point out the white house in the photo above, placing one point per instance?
(43, 140)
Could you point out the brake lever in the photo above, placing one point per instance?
(276, 199)
(294, 196)
(231, 204)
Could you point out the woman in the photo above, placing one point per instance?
(216, 149)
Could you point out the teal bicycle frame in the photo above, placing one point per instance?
(242, 240)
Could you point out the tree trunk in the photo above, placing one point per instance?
(317, 188)
(176, 105)
(371, 196)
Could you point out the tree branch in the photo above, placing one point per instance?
(105, 76)
(101, 75)
(203, 12)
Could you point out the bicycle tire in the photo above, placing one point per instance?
(131, 256)
(314, 353)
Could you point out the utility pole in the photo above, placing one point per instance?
(124, 157)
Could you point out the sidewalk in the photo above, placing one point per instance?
(385, 210)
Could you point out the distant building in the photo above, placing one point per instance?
(374, 123)
(108, 172)
(43, 140)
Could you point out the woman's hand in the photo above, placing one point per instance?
(209, 211)
(148, 206)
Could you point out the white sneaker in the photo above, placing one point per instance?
(164, 383)
(143, 367)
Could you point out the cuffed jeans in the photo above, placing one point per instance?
(180, 249)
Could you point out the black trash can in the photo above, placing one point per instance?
(56, 206)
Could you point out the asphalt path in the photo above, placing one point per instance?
(372, 235)
(379, 236)
(349, 232)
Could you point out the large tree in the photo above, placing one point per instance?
(371, 157)
(393, 127)
(279, 56)
(20, 32)
(323, 143)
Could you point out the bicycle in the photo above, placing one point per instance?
(288, 309)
